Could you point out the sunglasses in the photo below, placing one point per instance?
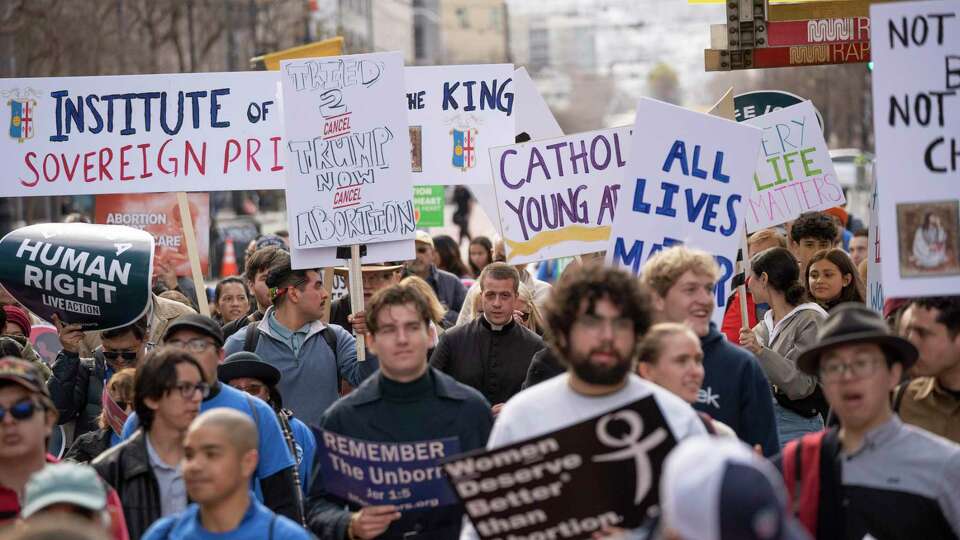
(128, 356)
(21, 410)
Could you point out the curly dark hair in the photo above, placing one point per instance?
(949, 308)
(813, 225)
(397, 295)
(580, 290)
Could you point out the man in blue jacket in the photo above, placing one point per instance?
(407, 402)
(312, 356)
(735, 391)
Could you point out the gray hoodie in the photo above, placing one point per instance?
(782, 344)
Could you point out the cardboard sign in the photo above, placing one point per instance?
(684, 184)
(604, 471)
(916, 111)
(97, 276)
(428, 205)
(456, 114)
(46, 341)
(405, 474)
(140, 134)
(345, 127)
(759, 102)
(794, 170)
(557, 197)
(159, 215)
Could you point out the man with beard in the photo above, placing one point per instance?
(597, 317)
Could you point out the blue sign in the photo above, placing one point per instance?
(407, 475)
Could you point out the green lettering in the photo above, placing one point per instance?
(807, 162)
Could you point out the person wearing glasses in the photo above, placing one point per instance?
(449, 288)
(873, 476)
(145, 468)
(78, 384)
(202, 338)
(492, 353)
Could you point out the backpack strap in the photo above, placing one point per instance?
(331, 339)
(251, 338)
(898, 393)
(801, 474)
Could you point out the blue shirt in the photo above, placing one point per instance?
(292, 338)
(274, 454)
(255, 525)
(306, 449)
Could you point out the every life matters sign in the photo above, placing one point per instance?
(916, 111)
(347, 149)
(684, 184)
(97, 276)
(557, 197)
(794, 170)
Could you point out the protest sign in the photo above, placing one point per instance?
(601, 472)
(557, 197)
(534, 119)
(345, 126)
(428, 205)
(794, 172)
(157, 213)
(456, 114)
(97, 276)
(684, 184)
(141, 134)
(916, 111)
(46, 341)
(405, 474)
(759, 102)
(875, 298)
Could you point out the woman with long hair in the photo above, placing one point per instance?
(787, 328)
(437, 309)
(480, 254)
(231, 299)
(448, 256)
(833, 279)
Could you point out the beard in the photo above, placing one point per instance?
(591, 373)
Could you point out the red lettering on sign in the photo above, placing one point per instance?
(349, 196)
(336, 126)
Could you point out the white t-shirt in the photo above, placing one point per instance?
(553, 405)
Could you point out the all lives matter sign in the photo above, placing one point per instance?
(568, 484)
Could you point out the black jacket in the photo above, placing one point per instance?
(495, 362)
(89, 445)
(544, 366)
(236, 325)
(76, 388)
(126, 467)
(462, 412)
(340, 309)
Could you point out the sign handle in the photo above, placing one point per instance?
(190, 236)
(327, 286)
(742, 289)
(356, 295)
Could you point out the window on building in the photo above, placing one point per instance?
(463, 18)
(496, 19)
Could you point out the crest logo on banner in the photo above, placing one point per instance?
(464, 142)
(22, 111)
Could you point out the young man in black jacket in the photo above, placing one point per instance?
(76, 386)
(406, 401)
(145, 469)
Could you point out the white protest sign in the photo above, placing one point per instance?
(456, 114)
(794, 173)
(916, 111)
(875, 298)
(140, 134)
(684, 184)
(345, 126)
(380, 252)
(557, 197)
(534, 118)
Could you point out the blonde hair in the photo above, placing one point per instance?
(536, 319)
(663, 270)
(437, 311)
(767, 234)
(652, 345)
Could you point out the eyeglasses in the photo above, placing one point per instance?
(21, 410)
(196, 345)
(187, 389)
(860, 368)
(128, 356)
(254, 389)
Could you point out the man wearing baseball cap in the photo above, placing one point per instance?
(449, 288)
(67, 488)
(202, 337)
(844, 482)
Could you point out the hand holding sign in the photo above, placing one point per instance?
(71, 335)
(372, 521)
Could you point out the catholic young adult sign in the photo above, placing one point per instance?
(916, 53)
(97, 276)
(571, 483)
(684, 184)
(407, 475)
(347, 150)
(140, 134)
(794, 173)
(557, 197)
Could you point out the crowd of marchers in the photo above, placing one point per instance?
(814, 418)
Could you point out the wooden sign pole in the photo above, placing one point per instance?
(327, 286)
(191, 237)
(356, 295)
